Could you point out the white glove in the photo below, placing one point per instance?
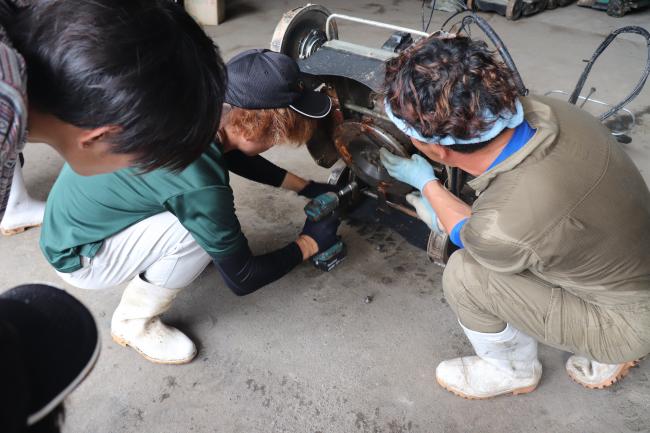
(424, 210)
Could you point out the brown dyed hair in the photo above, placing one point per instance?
(276, 125)
(441, 86)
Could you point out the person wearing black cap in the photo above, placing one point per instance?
(265, 105)
(49, 344)
(159, 230)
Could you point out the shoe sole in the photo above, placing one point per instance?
(122, 342)
(622, 371)
(518, 391)
(11, 232)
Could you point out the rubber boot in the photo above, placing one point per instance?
(506, 363)
(594, 375)
(136, 323)
(22, 211)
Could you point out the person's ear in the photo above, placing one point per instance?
(89, 137)
(432, 151)
(442, 152)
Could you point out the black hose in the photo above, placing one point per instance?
(639, 86)
(498, 43)
(454, 15)
(433, 7)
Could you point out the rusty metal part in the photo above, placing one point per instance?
(358, 143)
(365, 111)
(353, 77)
(298, 30)
(321, 145)
(405, 210)
(349, 140)
(438, 248)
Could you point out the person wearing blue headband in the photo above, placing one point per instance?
(554, 248)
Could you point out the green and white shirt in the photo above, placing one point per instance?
(83, 211)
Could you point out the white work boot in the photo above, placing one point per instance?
(136, 323)
(594, 375)
(506, 364)
(22, 211)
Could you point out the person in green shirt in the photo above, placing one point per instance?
(160, 229)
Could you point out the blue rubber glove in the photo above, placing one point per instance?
(424, 210)
(415, 171)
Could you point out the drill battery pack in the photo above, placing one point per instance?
(329, 259)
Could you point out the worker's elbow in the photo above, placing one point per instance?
(242, 289)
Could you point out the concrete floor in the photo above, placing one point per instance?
(306, 354)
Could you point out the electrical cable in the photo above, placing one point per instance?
(462, 9)
(433, 6)
(454, 15)
(462, 5)
(639, 86)
(500, 46)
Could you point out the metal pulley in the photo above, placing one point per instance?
(301, 31)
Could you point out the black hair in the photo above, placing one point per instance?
(144, 66)
(7, 11)
(468, 148)
(442, 86)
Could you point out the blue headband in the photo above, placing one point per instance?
(505, 120)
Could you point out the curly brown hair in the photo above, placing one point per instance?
(442, 86)
(274, 126)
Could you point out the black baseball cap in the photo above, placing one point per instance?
(48, 344)
(261, 78)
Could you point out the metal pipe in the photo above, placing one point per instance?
(366, 111)
(395, 206)
(596, 101)
(371, 23)
(591, 92)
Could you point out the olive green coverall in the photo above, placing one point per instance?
(558, 243)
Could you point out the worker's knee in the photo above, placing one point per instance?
(82, 279)
(461, 279)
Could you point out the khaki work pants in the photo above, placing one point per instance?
(485, 301)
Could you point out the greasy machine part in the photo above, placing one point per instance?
(358, 144)
(321, 145)
(352, 75)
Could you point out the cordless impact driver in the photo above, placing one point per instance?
(320, 208)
